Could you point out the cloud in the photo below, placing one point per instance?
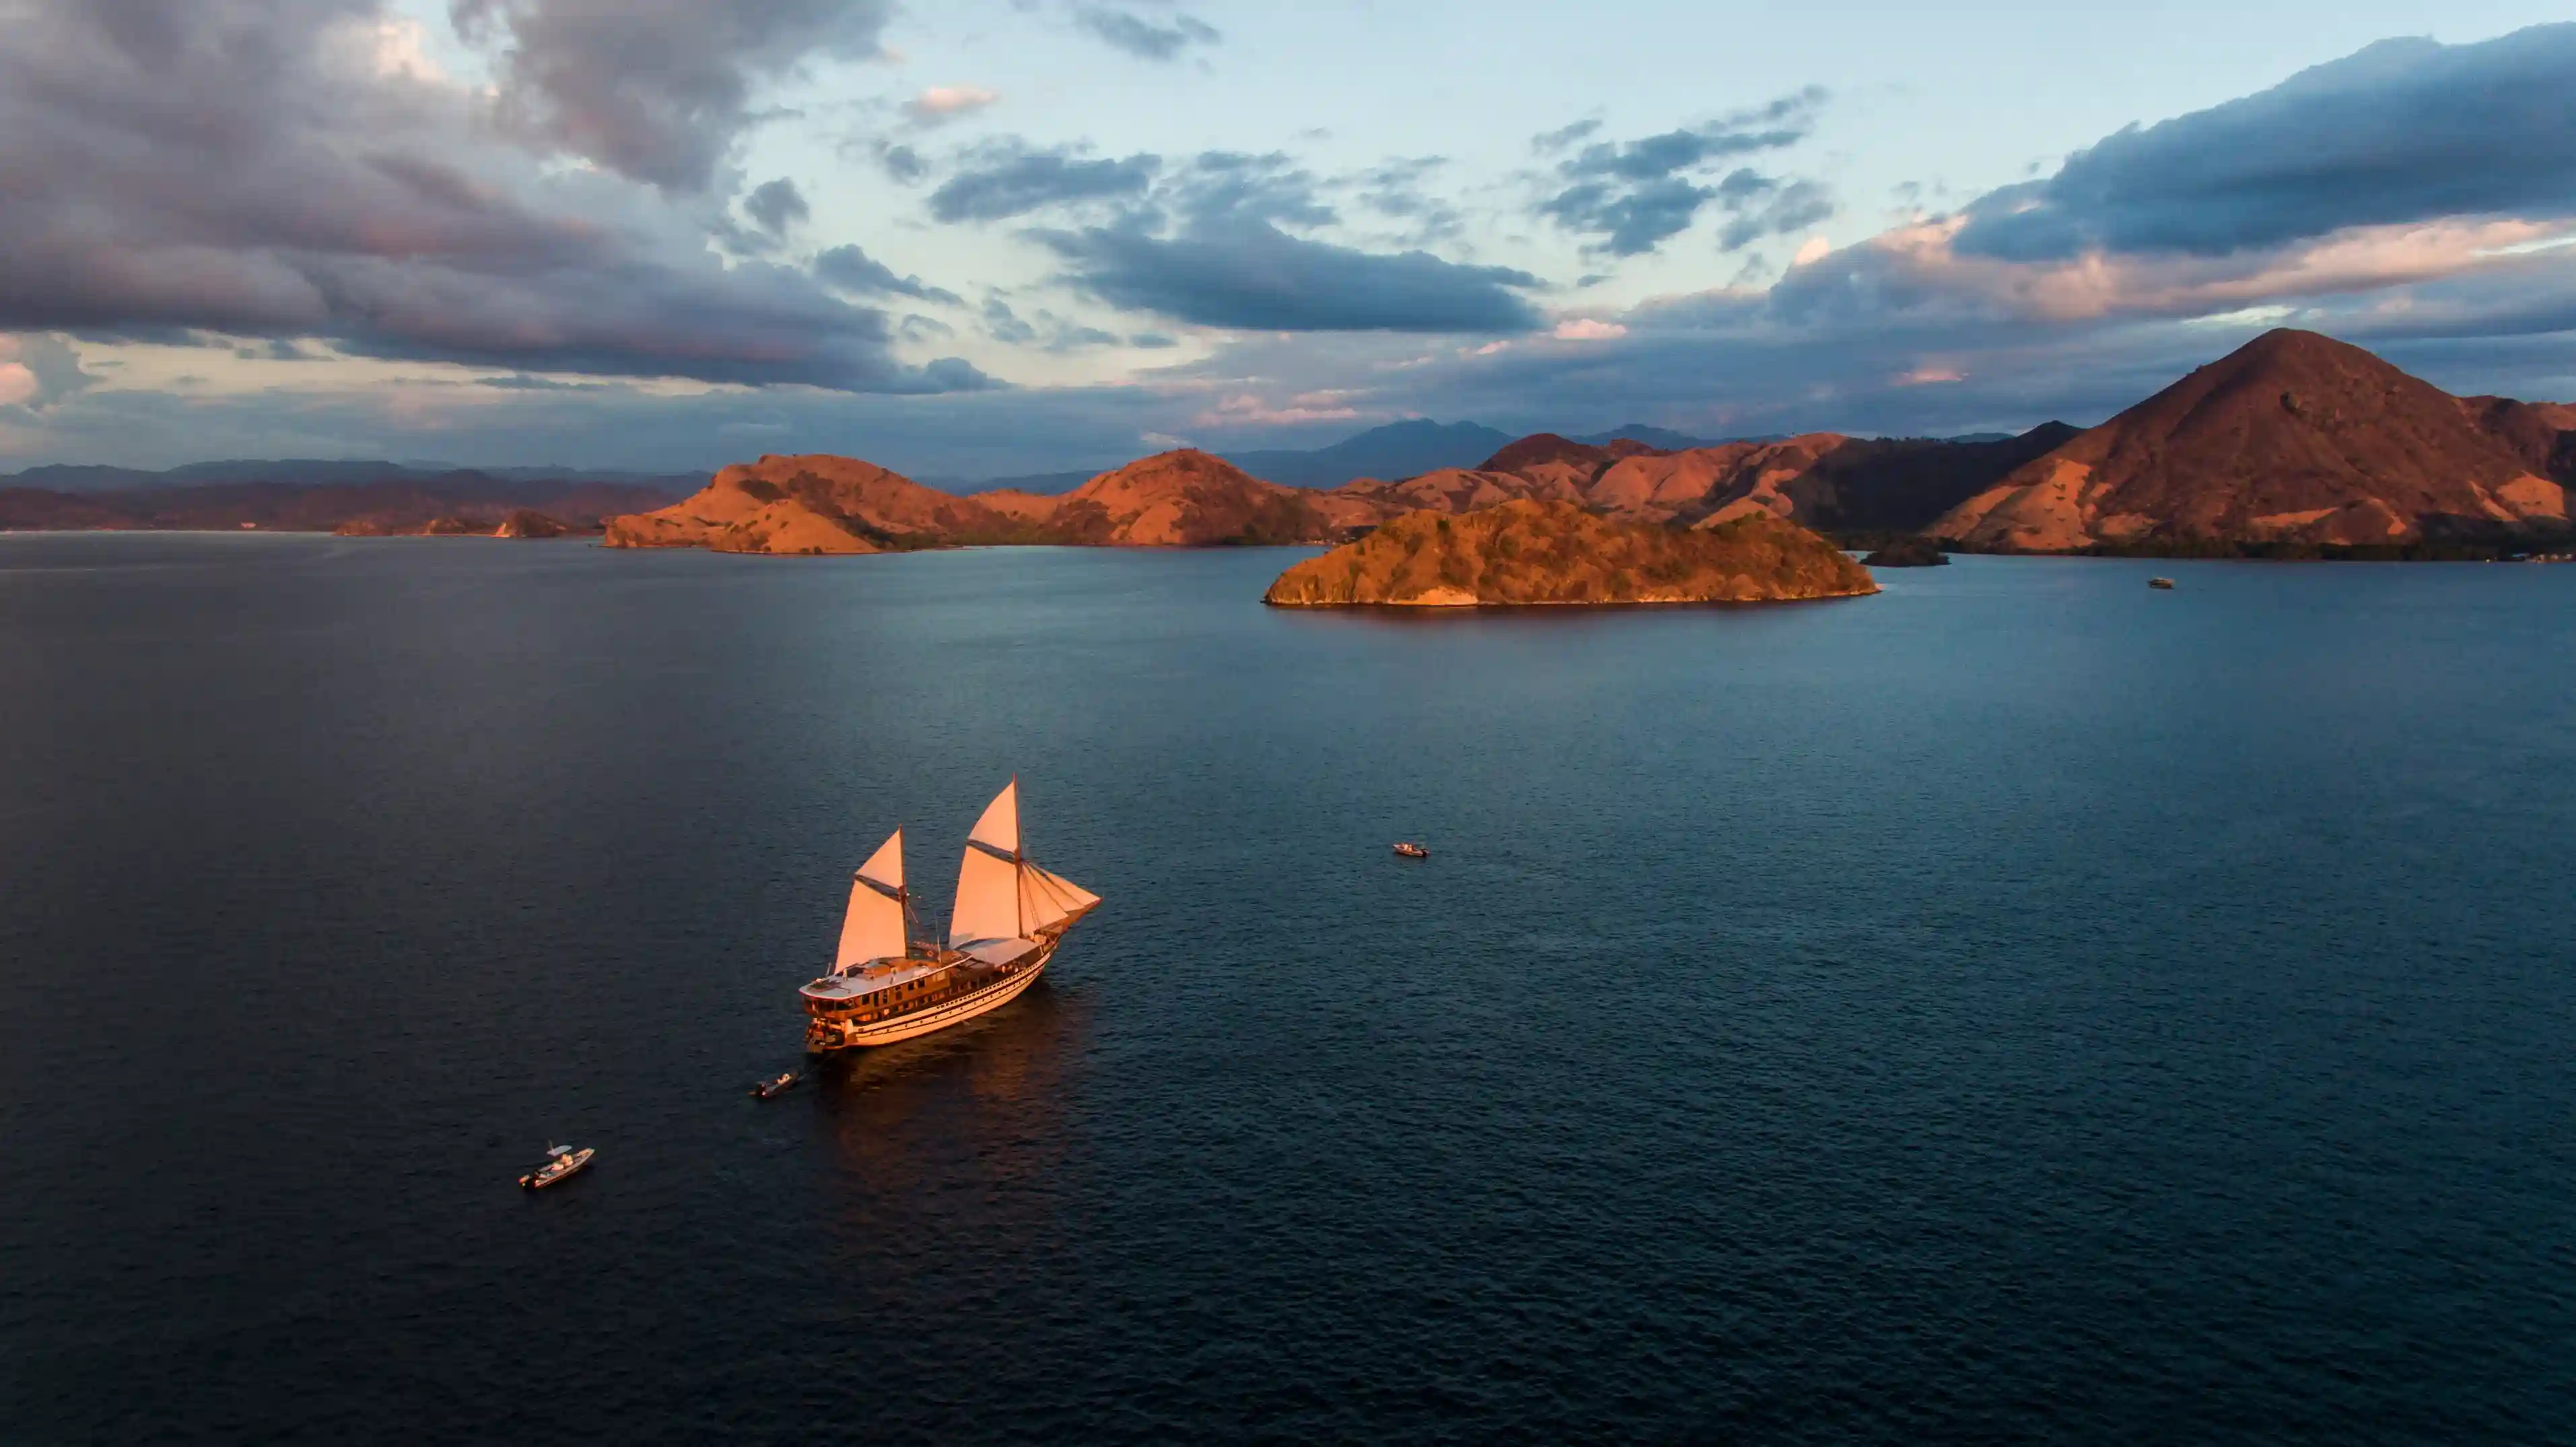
(1010, 178)
(1053, 332)
(1769, 208)
(1398, 189)
(1145, 39)
(1004, 325)
(1250, 274)
(847, 268)
(658, 92)
(776, 205)
(1546, 142)
(902, 164)
(251, 169)
(2402, 131)
(943, 103)
(1634, 195)
(1249, 410)
(1587, 329)
(37, 370)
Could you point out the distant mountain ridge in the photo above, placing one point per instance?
(1395, 450)
(2295, 441)
(460, 501)
(323, 472)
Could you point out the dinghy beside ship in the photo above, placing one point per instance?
(886, 985)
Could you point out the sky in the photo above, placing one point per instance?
(989, 237)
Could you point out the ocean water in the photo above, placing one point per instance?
(2018, 1007)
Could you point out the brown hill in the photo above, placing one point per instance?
(2293, 438)
(1186, 498)
(1823, 479)
(820, 504)
(527, 522)
(1528, 552)
(815, 504)
(1542, 449)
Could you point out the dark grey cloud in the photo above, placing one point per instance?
(1635, 195)
(776, 205)
(1042, 328)
(1233, 186)
(1250, 274)
(1759, 206)
(243, 167)
(657, 91)
(1548, 142)
(847, 268)
(1145, 39)
(1009, 178)
(1004, 325)
(2402, 131)
(904, 164)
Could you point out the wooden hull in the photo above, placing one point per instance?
(824, 1035)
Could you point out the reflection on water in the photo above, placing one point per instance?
(978, 1108)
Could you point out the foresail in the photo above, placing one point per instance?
(886, 865)
(1047, 899)
(988, 899)
(1000, 826)
(873, 929)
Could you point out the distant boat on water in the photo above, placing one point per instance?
(2163, 583)
(561, 1161)
(888, 985)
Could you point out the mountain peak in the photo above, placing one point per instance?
(1540, 448)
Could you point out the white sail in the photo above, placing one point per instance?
(873, 929)
(1000, 826)
(988, 899)
(886, 865)
(1047, 898)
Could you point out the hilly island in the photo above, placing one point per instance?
(1526, 553)
(2293, 445)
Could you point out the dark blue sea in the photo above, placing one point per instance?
(2020, 1007)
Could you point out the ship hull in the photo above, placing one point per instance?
(825, 1036)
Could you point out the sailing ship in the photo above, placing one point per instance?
(888, 984)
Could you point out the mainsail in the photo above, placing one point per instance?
(1001, 896)
(874, 927)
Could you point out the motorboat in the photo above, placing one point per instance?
(1410, 850)
(2164, 583)
(561, 1161)
(784, 1081)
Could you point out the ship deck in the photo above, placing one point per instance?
(980, 958)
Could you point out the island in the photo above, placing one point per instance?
(1531, 553)
(1907, 552)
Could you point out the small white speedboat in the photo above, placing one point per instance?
(561, 1161)
(784, 1081)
